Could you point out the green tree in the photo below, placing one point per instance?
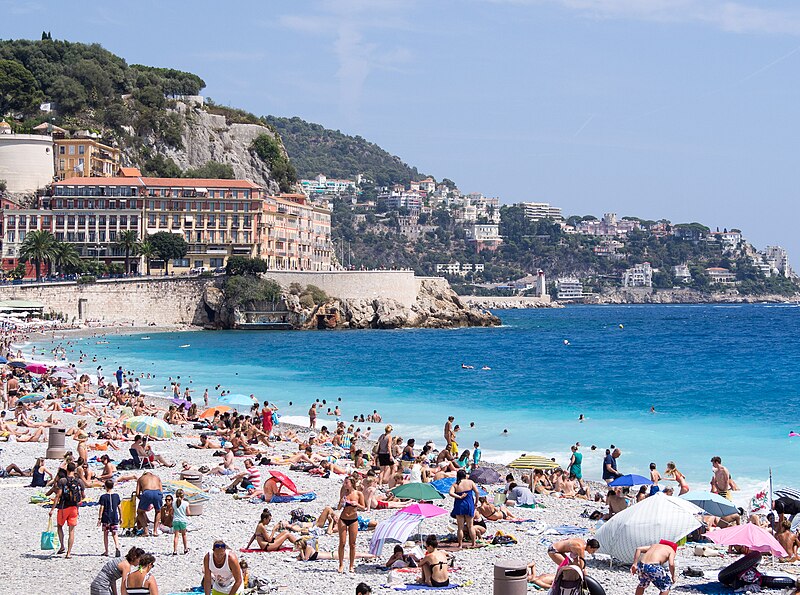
(65, 257)
(271, 152)
(128, 240)
(169, 246)
(244, 265)
(38, 248)
(146, 250)
(19, 90)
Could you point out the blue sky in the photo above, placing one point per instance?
(684, 109)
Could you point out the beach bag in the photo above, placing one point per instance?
(49, 541)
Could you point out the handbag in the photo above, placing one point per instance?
(49, 541)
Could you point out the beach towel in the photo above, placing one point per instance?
(260, 551)
(515, 521)
(307, 497)
(418, 587)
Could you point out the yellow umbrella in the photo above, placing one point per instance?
(533, 462)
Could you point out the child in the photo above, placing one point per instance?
(476, 454)
(109, 516)
(181, 511)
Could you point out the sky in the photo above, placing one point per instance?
(679, 109)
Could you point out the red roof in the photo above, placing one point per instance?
(158, 182)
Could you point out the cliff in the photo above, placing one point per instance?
(682, 296)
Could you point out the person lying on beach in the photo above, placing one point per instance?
(36, 436)
(334, 468)
(13, 470)
(494, 513)
(400, 559)
(576, 548)
(268, 540)
(206, 443)
(306, 456)
(7, 429)
(328, 517)
(544, 581)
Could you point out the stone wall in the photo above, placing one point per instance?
(159, 301)
(509, 302)
(400, 286)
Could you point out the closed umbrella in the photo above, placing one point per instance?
(399, 527)
(209, 413)
(36, 368)
(711, 503)
(485, 475)
(31, 398)
(416, 491)
(645, 523)
(748, 535)
(149, 426)
(533, 462)
(631, 480)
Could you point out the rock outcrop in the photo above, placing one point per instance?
(681, 296)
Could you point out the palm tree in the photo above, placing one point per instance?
(37, 248)
(148, 251)
(65, 256)
(128, 240)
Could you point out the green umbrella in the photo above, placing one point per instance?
(416, 491)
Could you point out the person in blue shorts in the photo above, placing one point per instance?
(648, 564)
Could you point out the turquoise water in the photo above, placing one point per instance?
(724, 380)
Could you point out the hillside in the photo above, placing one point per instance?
(314, 150)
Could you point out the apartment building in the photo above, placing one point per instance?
(295, 234)
(640, 275)
(324, 186)
(536, 211)
(84, 157)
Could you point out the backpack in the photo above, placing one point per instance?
(71, 492)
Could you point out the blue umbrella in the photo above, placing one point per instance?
(711, 503)
(3, 360)
(31, 398)
(443, 486)
(630, 480)
(236, 399)
(17, 364)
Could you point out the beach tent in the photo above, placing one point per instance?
(711, 503)
(398, 527)
(533, 462)
(749, 535)
(645, 523)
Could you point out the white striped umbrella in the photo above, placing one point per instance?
(792, 493)
(398, 527)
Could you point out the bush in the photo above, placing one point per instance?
(295, 288)
(86, 279)
(317, 295)
(206, 274)
(307, 301)
(241, 289)
(244, 265)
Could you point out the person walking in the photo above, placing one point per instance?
(385, 460)
(648, 564)
(109, 516)
(721, 482)
(180, 520)
(352, 502)
(69, 494)
(222, 573)
(465, 493)
(575, 462)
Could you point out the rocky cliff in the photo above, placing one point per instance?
(436, 306)
(681, 296)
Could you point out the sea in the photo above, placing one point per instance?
(663, 383)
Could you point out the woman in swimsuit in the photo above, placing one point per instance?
(466, 494)
(434, 564)
(140, 581)
(672, 472)
(267, 540)
(352, 501)
(494, 513)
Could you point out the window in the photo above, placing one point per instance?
(92, 236)
(81, 220)
(180, 262)
(81, 151)
(46, 220)
(176, 221)
(61, 163)
(123, 221)
(217, 263)
(92, 221)
(11, 220)
(59, 220)
(60, 236)
(102, 220)
(246, 237)
(10, 236)
(152, 205)
(199, 219)
(72, 149)
(212, 236)
(61, 150)
(112, 220)
(151, 220)
(212, 220)
(198, 264)
(81, 236)
(223, 221)
(247, 220)
(112, 235)
(70, 220)
(162, 221)
(235, 194)
(134, 221)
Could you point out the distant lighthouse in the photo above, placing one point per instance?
(541, 285)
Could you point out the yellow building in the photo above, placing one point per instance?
(84, 158)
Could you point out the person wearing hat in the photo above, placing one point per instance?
(648, 564)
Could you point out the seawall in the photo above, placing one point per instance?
(509, 302)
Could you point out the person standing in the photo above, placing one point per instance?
(648, 564)
(109, 516)
(222, 573)
(448, 432)
(721, 482)
(312, 416)
(352, 501)
(465, 493)
(205, 398)
(385, 461)
(119, 374)
(610, 472)
(575, 462)
(266, 419)
(69, 494)
(179, 522)
(148, 490)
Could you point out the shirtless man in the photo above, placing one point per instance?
(721, 481)
(448, 432)
(788, 540)
(227, 466)
(616, 503)
(576, 548)
(206, 443)
(148, 490)
(648, 564)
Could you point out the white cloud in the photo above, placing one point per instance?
(736, 17)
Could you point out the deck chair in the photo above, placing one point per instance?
(138, 462)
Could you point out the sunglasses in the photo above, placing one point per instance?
(219, 546)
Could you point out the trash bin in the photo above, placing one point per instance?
(193, 477)
(195, 509)
(510, 577)
(55, 443)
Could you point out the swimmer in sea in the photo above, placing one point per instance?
(566, 342)
(581, 418)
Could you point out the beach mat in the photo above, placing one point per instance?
(418, 587)
(260, 551)
(307, 497)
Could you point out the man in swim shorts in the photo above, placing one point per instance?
(721, 481)
(648, 564)
(148, 490)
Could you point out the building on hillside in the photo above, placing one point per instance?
(569, 288)
(609, 225)
(682, 273)
(427, 185)
(295, 234)
(721, 276)
(608, 248)
(397, 197)
(324, 186)
(484, 236)
(84, 157)
(535, 211)
(461, 269)
(26, 161)
(731, 240)
(640, 275)
(780, 257)
(765, 267)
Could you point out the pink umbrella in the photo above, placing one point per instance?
(427, 511)
(36, 368)
(748, 535)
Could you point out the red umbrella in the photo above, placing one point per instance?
(755, 538)
(283, 481)
(36, 368)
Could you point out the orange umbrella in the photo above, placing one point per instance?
(209, 413)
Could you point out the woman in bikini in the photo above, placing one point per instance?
(494, 513)
(352, 501)
(434, 565)
(268, 540)
(672, 473)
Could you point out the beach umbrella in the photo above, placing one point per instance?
(3, 360)
(416, 491)
(31, 398)
(62, 375)
(18, 364)
(485, 475)
(748, 535)
(711, 503)
(236, 400)
(125, 413)
(209, 413)
(443, 486)
(149, 426)
(427, 511)
(630, 480)
(67, 370)
(36, 368)
(399, 527)
(283, 480)
(192, 493)
(645, 523)
(533, 462)
(181, 402)
(791, 493)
